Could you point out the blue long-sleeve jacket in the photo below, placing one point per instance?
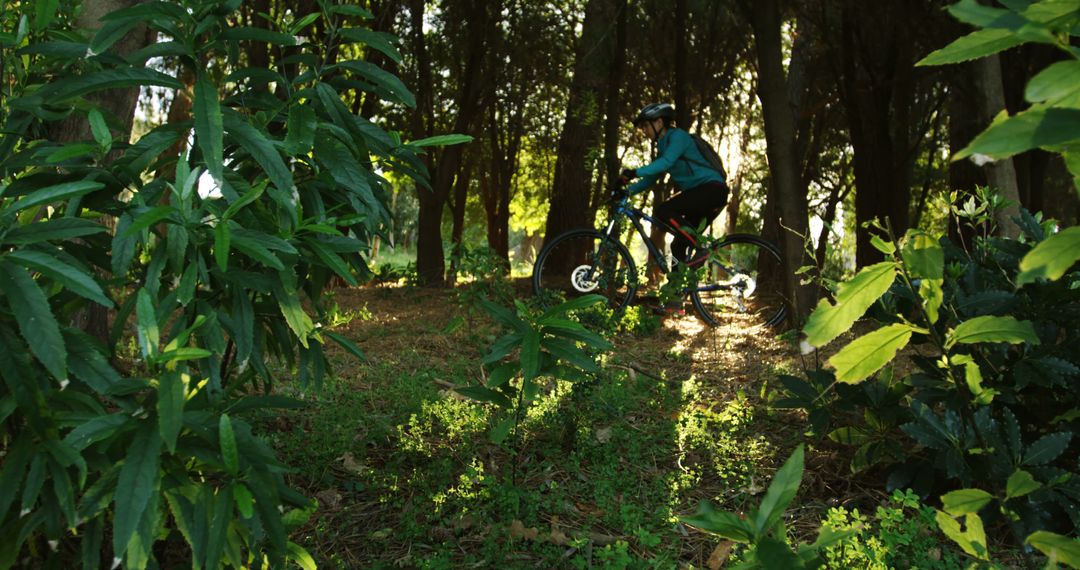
(680, 157)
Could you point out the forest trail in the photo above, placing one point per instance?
(406, 477)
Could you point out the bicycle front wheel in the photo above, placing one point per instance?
(583, 262)
(741, 284)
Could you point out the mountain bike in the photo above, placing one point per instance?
(736, 279)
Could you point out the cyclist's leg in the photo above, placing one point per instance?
(688, 210)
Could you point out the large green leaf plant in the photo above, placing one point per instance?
(988, 401)
(210, 261)
(1051, 122)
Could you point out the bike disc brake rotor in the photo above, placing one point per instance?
(581, 281)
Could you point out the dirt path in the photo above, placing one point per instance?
(405, 476)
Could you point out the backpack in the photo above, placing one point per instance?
(712, 159)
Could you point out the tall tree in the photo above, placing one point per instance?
(469, 81)
(785, 180)
(578, 143)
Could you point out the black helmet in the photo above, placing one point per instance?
(655, 111)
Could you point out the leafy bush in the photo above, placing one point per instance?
(538, 345)
(763, 529)
(990, 397)
(1052, 122)
(210, 283)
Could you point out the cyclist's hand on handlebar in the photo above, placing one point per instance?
(617, 192)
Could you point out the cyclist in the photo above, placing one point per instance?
(703, 192)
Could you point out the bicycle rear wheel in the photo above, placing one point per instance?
(741, 284)
(582, 262)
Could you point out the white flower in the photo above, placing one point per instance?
(805, 348)
(53, 544)
(64, 383)
(981, 159)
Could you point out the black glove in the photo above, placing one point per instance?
(628, 174)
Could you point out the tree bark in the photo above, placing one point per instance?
(472, 81)
(577, 149)
(876, 91)
(790, 195)
(1000, 174)
(120, 105)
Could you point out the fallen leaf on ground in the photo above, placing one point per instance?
(603, 435)
(720, 555)
(557, 535)
(518, 530)
(349, 462)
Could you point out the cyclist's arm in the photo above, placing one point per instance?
(663, 163)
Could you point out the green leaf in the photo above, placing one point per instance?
(99, 129)
(208, 126)
(170, 408)
(972, 539)
(530, 354)
(1051, 258)
(973, 378)
(923, 256)
(568, 351)
(35, 318)
(482, 394)
(886, 247)
(721, 523)
(932, 297)
(1056, 82)
(57, 229)
(782, 489)
(1059, 549)
(501, 429)
(964, 501)
(990, 328)
(138, 485)
(147, 325)
(331, 260)
(97, 429)
(301, 557)
(853, 298)
(44, 12)
(300, 129)
(977, 44)
(184, 353)
(376, 40)
(1047, 448)
(351, 10)
(503, 374)
(1020, 483)
(222, 244)
(70, 151)
(579, 303)
(295, 317)
(502, 315)
(227, 441)
(971, 12)
(1036, 127)
(244, 501)
(71, 87)
(378, 77)
(441, 140)
(867, 354)
(260, 35)
(262, 150)
(72, 278)
(346, 344)
(53, 194)
(775, 553)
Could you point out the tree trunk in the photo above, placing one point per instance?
(1000, 174)
(575, 156)
(783, 161)
(119, 104)
(430, 262)
(875, 87)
